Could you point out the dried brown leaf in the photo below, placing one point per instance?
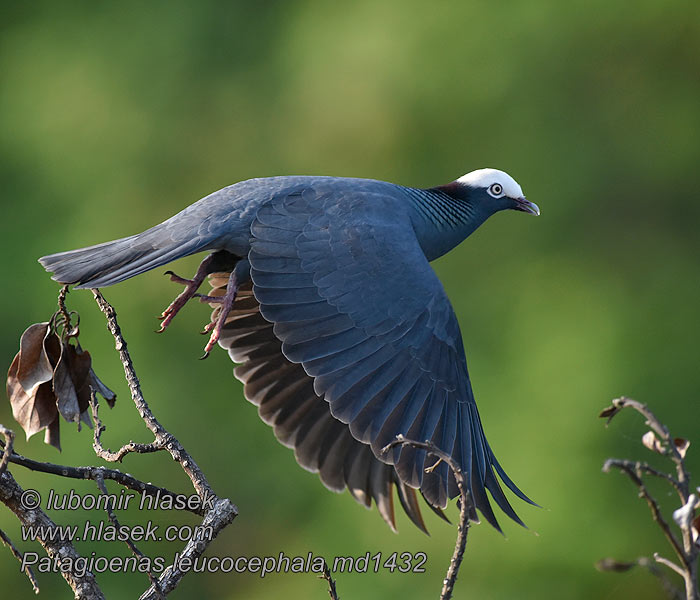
(12, 387)
(100, 388)
(33, 412)
(49, 376)
(66, 394)
(79, 365)
(34, 367)
(52, 434)
(650, 440)
(609, 412)
(682, 446)
(52, 347)
(72, 381)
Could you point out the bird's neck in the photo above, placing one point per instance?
(442, 217)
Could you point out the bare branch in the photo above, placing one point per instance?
(223, 511)
(107, 454)
(669, 563)
(628, 468)
(332, 592)
(9, 443)
(646, 469)
(659, 428)
(465, 504)
(84, 585)
(623, 402)
(162, 436)
(128, 481)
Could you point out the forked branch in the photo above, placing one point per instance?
(659, 440)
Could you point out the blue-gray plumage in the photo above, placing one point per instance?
(344, 333)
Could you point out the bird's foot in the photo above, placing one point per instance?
(226, 302)
(191, 287)
(208, 327)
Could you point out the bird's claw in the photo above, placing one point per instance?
(207, 328)
(177, 279)
(210, 344)
(191, 287)
(215, 328)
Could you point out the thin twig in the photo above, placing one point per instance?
(659, 428)
(636, 477)
(162, 436)
(107, 454)
(648, 470)
(667, 562)
(326, 574)
(464, 509)
(20, 557)
(124, 479)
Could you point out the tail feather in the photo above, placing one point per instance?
(112, 262)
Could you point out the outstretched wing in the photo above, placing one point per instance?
(285, 397)
(354, 302)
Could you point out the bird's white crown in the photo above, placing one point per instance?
(485, 178)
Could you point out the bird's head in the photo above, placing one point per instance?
(491, 190)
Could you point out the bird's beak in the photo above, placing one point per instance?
(526, 206)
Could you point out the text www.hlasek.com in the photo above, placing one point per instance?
(103, 531)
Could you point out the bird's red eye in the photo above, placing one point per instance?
(496, 189)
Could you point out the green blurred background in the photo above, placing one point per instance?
(115, 116)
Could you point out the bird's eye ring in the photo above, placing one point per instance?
(496, 189)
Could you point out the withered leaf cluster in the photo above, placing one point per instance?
(50, 376)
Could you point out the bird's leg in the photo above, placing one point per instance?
(226, 302)
(191, 287)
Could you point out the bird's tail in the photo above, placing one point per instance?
(111, 262)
